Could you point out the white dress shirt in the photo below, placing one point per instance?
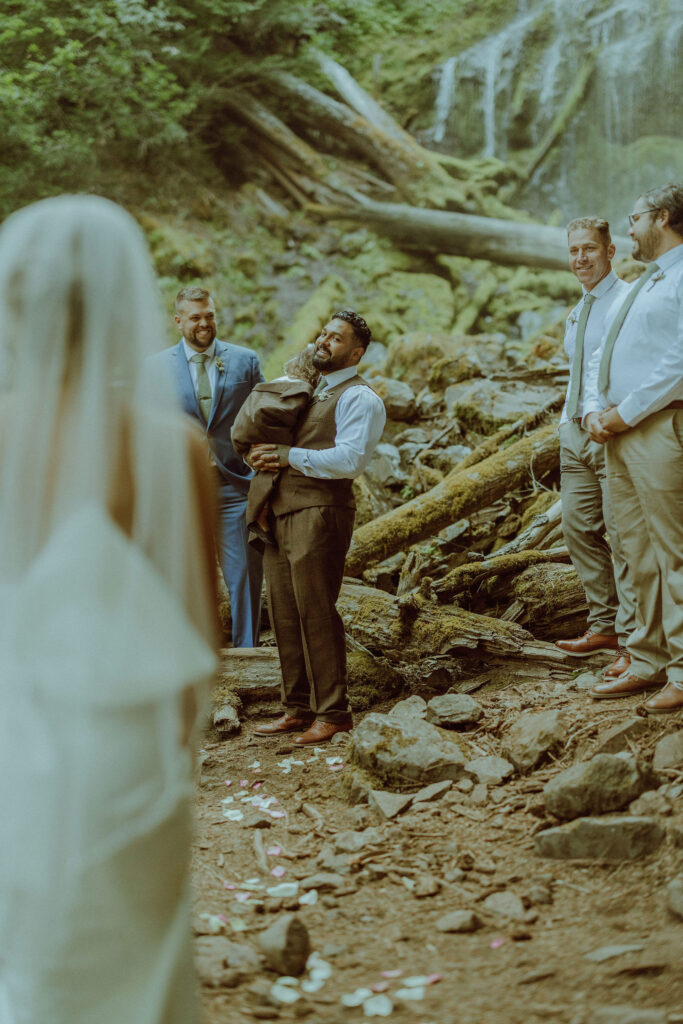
(646, 371)
(209, 364)
(360, 417)
(604, 293)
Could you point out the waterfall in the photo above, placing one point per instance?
(498, 98)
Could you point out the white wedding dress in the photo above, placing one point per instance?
(95, 650)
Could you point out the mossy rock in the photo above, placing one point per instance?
(404, 302)
(371, 681)
(177, 252)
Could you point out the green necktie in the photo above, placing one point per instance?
(203, 385)
(577, 363)
(617, 323)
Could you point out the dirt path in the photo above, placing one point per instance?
(448, 855)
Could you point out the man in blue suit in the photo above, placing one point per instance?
(213, 379)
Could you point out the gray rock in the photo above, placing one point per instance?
(452, 709)
(490, 403)
(587, 680)
(607, 782)
(226, 720)
(322, 881)
(505, 904)
(458, 921)
(610, 838)
(329, 861)
(375, 356)
(669, 751)
(398, 397)
(388, 805)
(433, 792)
(385, 466)
(674, 893)
(413, 750)
(426, 885)
(616, 738)
(533, 736)
(409, 710)
(650, 804)
(359, 789)
(352, 842)
(479, 794)
(286, 945)
(490, 770)
(215, 955)
(626, 1015)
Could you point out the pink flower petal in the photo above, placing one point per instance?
(228, 782)
(391, 974)
(279, 871)
(242, 897)
(433, 978)
(255, 785)
(274, 851)
(229, 885)
(497, 942)
(244, 782)
(380, 986)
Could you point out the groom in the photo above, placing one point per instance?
(213, 379)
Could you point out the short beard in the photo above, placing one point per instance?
(645, 249)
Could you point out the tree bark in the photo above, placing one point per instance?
(508, 242)
(536, 532)
(459, 494)
(463, 577)
(550, 600)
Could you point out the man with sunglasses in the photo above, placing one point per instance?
(634, 405)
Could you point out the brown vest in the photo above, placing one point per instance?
(317, 429)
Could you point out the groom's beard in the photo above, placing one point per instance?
(202, 337)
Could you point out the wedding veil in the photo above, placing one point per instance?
(92, 616)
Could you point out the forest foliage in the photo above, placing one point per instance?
(87, 86)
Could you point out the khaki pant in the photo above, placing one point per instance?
(586, 516)
(645, 475)
(303, 578)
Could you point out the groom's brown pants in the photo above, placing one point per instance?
(303, 579)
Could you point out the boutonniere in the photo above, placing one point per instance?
(573, 319)
(322, 396)
(654, 279)
(220, 365)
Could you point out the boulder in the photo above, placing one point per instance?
(486, 405)
(669, 751)
(606, 783)
(616, 738)
(505, 904)
(384, 467)
(286, 945)
(458, 921)
(490, 770)
(400, 750)
(452, 709)
(610, 838)
(412, 709)
(533, 736)
(398, 397)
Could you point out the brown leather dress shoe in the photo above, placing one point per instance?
(589, 643)
(665, 702)
(621, 664)
(287, 723)
(625, 685)
(321, 732)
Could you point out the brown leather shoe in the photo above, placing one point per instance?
(621, 664)
(287, 723)
(321, 732)
(625, 685)
(589, 643)
(665, 702)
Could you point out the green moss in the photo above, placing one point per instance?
(371, 681)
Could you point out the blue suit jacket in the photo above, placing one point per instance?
(240, 374)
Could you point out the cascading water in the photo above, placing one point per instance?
(499, 97)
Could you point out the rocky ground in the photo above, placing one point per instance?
(514, 854)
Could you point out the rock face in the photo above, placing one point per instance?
(453, 709)
(674, 892)
(605, 783)
(609, 838)
(533, 737)
(406, 750)
(669, 751)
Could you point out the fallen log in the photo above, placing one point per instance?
(459, 494)
(412, 635)
(488, 238)
(536, 532)
(550, 600)
(463, 577)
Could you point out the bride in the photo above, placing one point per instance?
(107, 628)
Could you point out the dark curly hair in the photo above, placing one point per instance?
(360, 328)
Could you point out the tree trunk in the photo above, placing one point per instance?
(550, 600)
(253, 113)
(458, 495)
(413, 634)
(488, 238)
(463, 577)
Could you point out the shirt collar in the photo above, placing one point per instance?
(208, 352)
(339, 376)
(670, 258)
(602, 287)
